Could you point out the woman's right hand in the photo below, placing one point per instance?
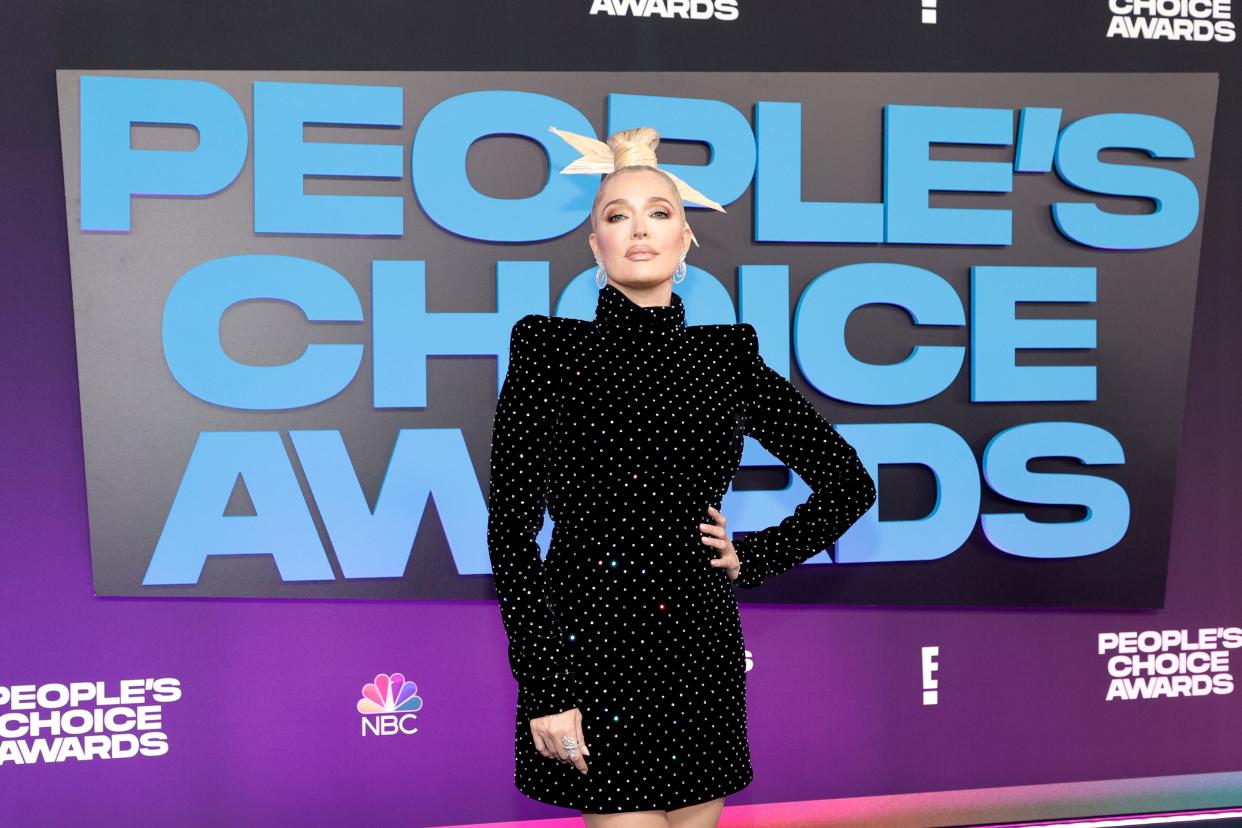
(547, 731)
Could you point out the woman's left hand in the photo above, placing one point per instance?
(714, 534)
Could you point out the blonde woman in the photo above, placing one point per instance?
(626, 643)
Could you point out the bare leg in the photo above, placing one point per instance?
(702, 815)
(634, 819)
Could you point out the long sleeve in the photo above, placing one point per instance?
(516, 503)
(785, 422)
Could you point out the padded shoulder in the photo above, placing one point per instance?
(544, 328)
(747, 337)
(712, 334)
(528, 334)
(568, 330)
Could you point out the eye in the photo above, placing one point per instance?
(662, 213)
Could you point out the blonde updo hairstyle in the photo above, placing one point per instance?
(631, 149)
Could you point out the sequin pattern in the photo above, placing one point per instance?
(625, 429)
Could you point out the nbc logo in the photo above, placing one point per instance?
(388, 705)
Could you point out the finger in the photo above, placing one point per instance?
(719, 515)
(717, 542)
(579, 761)
(586, 749)
(710, 529)
(571, 755)
(562, 752)
(546, 744)
(549, 746)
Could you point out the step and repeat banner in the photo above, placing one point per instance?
(291, 299)
(274, 364)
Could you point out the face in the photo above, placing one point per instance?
(640, 230)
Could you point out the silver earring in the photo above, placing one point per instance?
(680, 272)
(601, 275)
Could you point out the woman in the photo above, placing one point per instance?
(627, 644)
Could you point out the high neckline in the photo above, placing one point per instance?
(615, 308)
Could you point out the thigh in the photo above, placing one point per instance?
(634, 819)
(701, 815)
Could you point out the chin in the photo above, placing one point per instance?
(643, 273)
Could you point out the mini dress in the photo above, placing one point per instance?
(625, 428)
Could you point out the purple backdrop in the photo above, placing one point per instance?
(266, 731)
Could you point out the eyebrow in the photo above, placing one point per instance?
(622, 200)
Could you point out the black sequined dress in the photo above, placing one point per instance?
(626, 428)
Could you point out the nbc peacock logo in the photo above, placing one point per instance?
(388, 705)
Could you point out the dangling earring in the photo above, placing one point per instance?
(601, 275)
(680, 272)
